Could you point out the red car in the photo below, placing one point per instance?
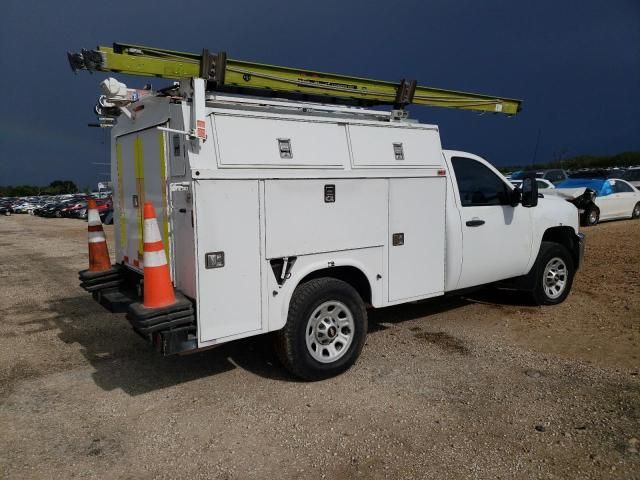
(103, 204)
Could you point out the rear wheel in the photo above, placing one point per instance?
(636, 211)
(554, 274)
(325, 331)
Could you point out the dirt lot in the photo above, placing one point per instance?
(481, 387)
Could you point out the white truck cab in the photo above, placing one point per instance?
(296, 217)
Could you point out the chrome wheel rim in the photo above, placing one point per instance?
(636, 211)
(593, 217)
(555, 277)
(329, 331)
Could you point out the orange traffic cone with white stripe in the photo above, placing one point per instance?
(98, 252)
(158, 290)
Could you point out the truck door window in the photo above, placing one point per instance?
(477, 184)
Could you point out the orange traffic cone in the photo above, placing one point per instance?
(98, 252)
(158, 290)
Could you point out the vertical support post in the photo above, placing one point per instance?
(198, 124)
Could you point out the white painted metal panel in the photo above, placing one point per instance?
(416, 210)
(374, 146)
(154, 161)
(299, 221)
(227, 220)
(246, 141)
(129, 225)
(143, 177)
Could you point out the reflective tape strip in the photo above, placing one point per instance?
(151, 232)
(163, 189)
(95, 237)
(121, 207)
(154, 259)
(93, 217)
(153, 247)
(139, 168)
(96, 228)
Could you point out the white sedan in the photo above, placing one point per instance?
(613, 198)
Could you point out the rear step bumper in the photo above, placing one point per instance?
(171, 329)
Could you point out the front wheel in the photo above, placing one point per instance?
(591, 216)
(636, 211)
(325, 330)
(555, 270)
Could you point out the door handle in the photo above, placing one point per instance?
(476, 222)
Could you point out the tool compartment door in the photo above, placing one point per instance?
(416, 237)
(228, 222)
(141, 171)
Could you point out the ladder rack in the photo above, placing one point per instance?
(226, 75)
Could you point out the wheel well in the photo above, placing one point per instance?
(351, 275)
(564, 236)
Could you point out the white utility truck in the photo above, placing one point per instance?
(295, 216)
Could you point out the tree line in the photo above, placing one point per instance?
(57, 187)
(624, 159)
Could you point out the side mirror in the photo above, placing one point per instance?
(529, 192)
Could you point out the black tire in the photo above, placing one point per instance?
(635, 213)
(591, 216)
(552, 252)
(291, 341)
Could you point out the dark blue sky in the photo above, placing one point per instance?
(576, 65)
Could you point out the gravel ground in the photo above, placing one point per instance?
(479, 387)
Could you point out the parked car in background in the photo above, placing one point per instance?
(589, 173)
(542, 183)
(600, 199)
(106, 216)
(72, 209)
(632, 176)
(5, 208)
(554, 176)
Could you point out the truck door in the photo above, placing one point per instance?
(496, 237)
(141, 172)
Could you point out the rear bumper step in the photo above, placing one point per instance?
(95, 281)
(171, 329)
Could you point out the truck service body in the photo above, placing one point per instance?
(291, 216)
(284, 192)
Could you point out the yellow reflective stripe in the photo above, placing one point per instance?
(121, 205)
(139, 167)
(163, 189)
